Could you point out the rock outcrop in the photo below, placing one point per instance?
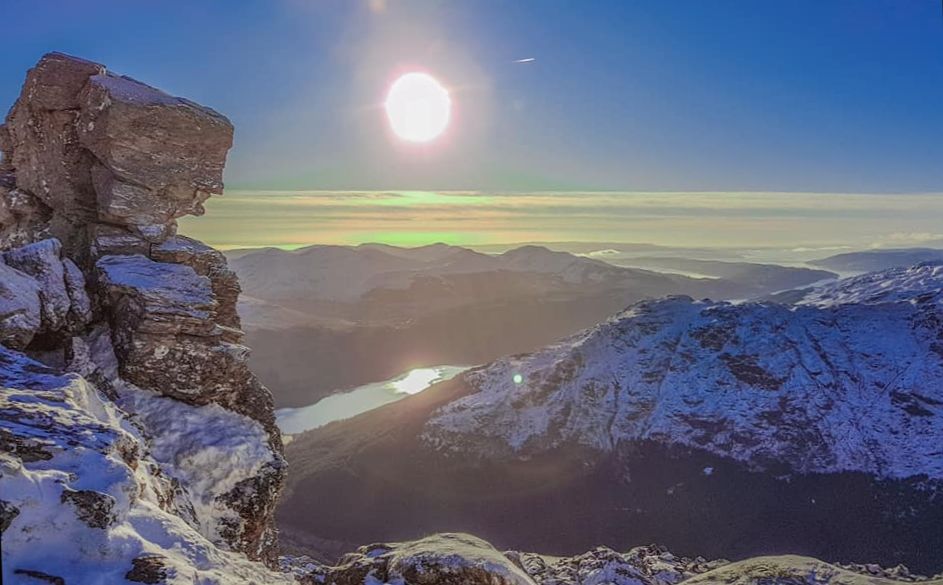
(461, 559)
(94, 281)
(441, 558)
(95, 490)
(93, 147)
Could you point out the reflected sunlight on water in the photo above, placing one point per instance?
(363, 398)
(417, 380)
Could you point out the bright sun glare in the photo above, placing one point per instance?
(418, 107)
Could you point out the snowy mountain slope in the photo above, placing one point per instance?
(754, 382)
(917, 284)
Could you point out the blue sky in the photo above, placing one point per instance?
(837, 96)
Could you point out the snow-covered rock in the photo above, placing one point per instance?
(92, 493)
(920, 284)
(461, 559)
(440, 558)
(20, 309)
(644, 565)
(797, 570)
(65, 304)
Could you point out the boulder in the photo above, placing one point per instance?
(155, 297)
(644, 565)
(65, 305)
(86, 146)
(8, 513)
(168, 339)
(149, 568)
(158, 157)
(20, 308)
(209, 262)
(41, 143)
(94, 508)
(107, 240)
(441, 559)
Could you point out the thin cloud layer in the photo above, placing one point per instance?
(298, 218)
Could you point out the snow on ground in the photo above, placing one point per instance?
(208, 449)
(83, 496)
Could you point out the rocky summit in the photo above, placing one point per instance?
(132, 427)
(136, 446)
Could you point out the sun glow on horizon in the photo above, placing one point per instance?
(418, 107)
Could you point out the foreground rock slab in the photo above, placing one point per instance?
(462, 559)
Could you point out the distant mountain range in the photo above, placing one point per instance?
(655, 424)
(328, 317)
(880, 259)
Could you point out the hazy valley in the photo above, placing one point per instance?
(330, 317)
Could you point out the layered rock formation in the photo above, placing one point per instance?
(96, 168)
(91, 147)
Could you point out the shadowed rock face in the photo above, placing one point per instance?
(93, 508)
(148, 569)
(96, 168)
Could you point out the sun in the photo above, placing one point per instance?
(418, 107)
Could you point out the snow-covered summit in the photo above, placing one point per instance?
(846, 381)
(921, 283)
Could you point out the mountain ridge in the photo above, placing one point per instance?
(666, 410)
